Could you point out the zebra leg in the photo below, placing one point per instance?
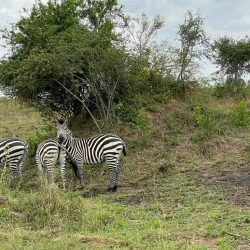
(52, 175)
(40, 171)
(14, 173)
(39, 167)
(21, 163)
(21, 169)
(62, 159)
(75, 170)
(80, 169)
(75, 179)
(75, 173)
(113, 166)
(51, 171)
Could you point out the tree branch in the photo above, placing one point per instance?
(82, 104)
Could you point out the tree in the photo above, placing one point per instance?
(149, 54)
(233, 57)
(63, 41)
(193, 46)
(69, 57)
(141, 33)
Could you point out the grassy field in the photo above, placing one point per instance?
(184, 185)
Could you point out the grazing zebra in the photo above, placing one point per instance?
(12, 153)
(48, 153)
(94, 150)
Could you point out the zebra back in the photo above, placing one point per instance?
(95, 149)
(12, 150)
(47, 151)
(50, 152)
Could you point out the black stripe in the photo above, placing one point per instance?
(10, 145)
(97, 143)
(5, 141)
(47, 149)
(106, 139)
(103, 149)
(11, 152)
(111, 148)
(15, 151)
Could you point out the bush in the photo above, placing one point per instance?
(59, 48)
(240, 115)
(48, 131)
(237, 89)
(209, 122)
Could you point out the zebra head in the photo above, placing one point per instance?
(63, 132)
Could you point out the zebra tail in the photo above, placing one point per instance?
(75, 169)
(72, 163)
(25, 154)
(124, 149)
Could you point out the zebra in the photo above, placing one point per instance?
(13, 152)
(48, 153)
(94, 150)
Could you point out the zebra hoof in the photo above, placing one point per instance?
(112, 189)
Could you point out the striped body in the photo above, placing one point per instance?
(48, 154)
(93, 150)
(12, 153)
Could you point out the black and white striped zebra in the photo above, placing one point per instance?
(94, 150)
(12, 153)
(48, 154)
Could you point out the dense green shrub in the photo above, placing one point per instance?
(240, 115)
(74, 46)
(48, 131)
(210, 121)
(237, 89)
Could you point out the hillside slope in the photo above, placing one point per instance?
(184, 185)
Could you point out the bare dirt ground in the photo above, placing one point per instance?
(230, 176)
(233, 176)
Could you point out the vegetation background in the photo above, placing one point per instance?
(185, 182)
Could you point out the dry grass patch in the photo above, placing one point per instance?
(18, 120)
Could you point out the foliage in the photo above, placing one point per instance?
(233, 57)
(61, 49)
(147, 77)
(51, 44)
(237, 89)
(46, 132)
(193, 45)
(240, 115)
(141, 32)
(210, 121)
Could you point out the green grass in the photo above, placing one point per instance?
(172, 194)
(174, 214)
